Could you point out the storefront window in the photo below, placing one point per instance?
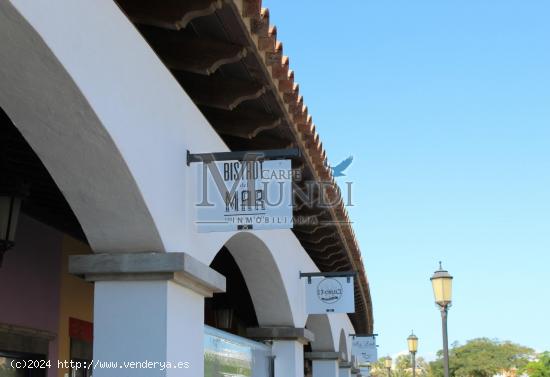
(226, 354)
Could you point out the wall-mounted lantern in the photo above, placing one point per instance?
(10, 208)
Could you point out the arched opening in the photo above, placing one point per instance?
(22, 169)
(57, 120)
(263, 279)
(34, 276)
(233, 310)
(256, 292)
(319, 324)
(255, 297)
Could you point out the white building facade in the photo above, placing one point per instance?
(110, 121)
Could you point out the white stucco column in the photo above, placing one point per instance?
(289, 358)
(345, 369)
(325, 364)
(325, 368)
(288, 347)
(138, 321)
(148, 312)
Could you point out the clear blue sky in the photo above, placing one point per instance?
(445, 106)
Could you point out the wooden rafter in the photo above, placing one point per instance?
(328, 255)
(244, 124)
(323, 248)
(314, 229)
(341, 263)
(219, 91)
(319, 238)
(181, 51)
(168, 14)
(262, 141)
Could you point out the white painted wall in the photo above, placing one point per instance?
(113, 126)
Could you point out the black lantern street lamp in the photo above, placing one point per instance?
(387, 364)
(442, 284)
(10, 207)
(412, 342)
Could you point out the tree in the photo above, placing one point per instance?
(422, 367)
(482, 358)
(401, 367)
(378, 369)
(538, 368)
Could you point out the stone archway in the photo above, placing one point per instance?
(54, 117)
(320, 325)
(113, 135)
(263, 278)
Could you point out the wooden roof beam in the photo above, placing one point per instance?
(321, 249)
(218, 91)
(260, 142)
(317, 239)
(314, 229)
(168, 14)
(336, 264)
(328, 256)
(244, 124)
(180, 51)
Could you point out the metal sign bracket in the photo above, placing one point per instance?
(268, 154)
(363, 335)
(336, 274)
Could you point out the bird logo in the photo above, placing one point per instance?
(338, 170)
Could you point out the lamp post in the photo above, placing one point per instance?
(442, 284)
(387, 364)
(412, 342)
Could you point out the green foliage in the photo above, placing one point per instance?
(538, 368)
(482, 358)
(402, 367)
(378, 369)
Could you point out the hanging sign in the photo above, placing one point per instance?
(329, 293)
(244, 195)
(363, 347)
